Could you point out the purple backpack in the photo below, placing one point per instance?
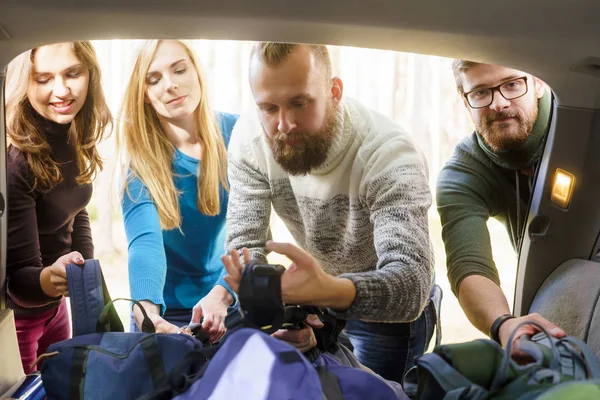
(252, 365)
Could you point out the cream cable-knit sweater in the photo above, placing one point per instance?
(362, 214)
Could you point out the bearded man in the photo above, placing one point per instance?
(491, 175)
(353, 191)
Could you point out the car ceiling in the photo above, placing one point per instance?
(556, 40)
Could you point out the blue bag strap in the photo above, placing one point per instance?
(503, 371)
(593, 366)
(88, 294)
(87, 299)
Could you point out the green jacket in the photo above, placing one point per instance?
(478, 183)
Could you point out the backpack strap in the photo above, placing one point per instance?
(259, 299)
(109, 321)
(502, 374)
(454, 384)
(589, 358)
(88, 294)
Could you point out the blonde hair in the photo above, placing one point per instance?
(86, 131)
(273, 54)
(149, 153)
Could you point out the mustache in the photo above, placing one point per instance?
(282, 137)
(501, 115)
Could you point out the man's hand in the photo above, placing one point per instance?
(161, 325)
(234, 267)
(303, 339)
(305, 283)
(507, 328)
(213, 308)
(53, 279)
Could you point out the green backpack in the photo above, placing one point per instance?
(482, 370)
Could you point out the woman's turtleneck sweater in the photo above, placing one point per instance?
(478, 183)
(43, 225)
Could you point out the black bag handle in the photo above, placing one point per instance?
(104, 320)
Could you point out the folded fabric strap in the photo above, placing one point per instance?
(89, 295)
(259, 300)
(450, 380)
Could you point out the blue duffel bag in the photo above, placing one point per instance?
(107, 364)
(250, 364)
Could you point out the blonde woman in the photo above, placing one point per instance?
(175, 195)
(56, 114)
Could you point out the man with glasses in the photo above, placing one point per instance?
(491, 175)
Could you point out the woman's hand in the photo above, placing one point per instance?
(213, 310)
(53, 279)
(161, 325)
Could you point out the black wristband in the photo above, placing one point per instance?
(495, 328)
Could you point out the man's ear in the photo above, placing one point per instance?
(540, 87)
(337, 90)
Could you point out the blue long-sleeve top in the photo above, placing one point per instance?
(173, 268)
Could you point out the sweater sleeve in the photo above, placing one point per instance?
(464, 204)
(147, 260)
(249, 208)
(396, 190)
(23, 255)
(82, 235)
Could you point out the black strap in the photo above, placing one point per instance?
(290, 357)
(327, 336)
(330, 384)
(189, 370)
(106, 321)
(194, 361)
(495, 328)
(260, 296)
(80, 355)
(312, 354)
(154, 361)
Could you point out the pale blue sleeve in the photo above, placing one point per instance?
(145, 248)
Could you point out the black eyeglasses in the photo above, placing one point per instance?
(480, 98)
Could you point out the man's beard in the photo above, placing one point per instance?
(504, 136)
(310, 150)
